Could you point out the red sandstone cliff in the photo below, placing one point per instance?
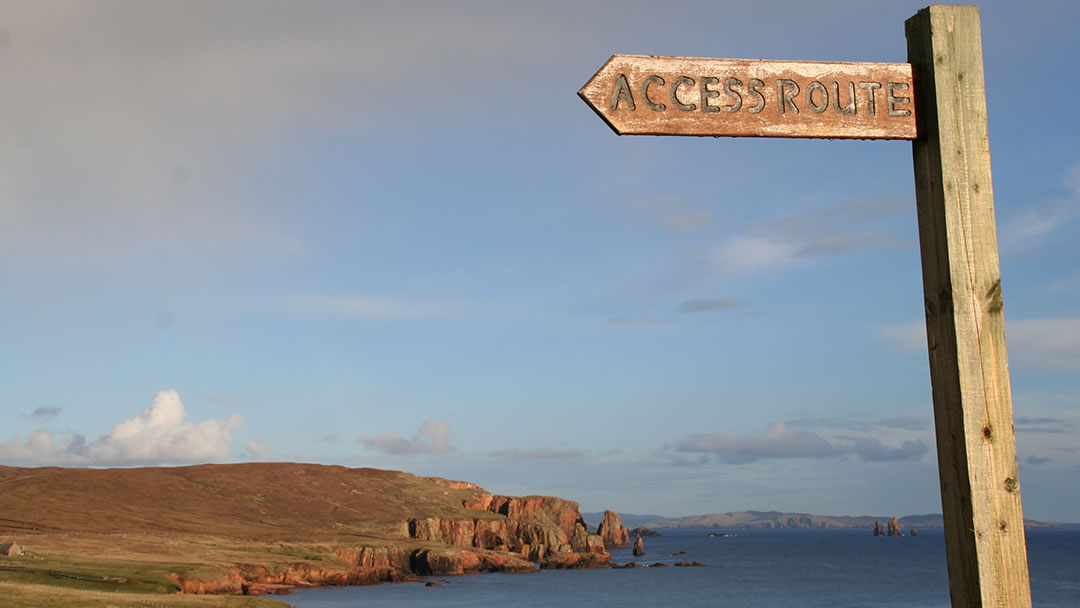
(541, 529)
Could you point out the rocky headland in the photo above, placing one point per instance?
(266, 527)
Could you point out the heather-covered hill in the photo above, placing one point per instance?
(257, 501)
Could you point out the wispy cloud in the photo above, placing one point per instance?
(151, 118)
(1050, 343)
(45, 412)
(909, 336)
(1025, 420)
(433, 437)
(869, 449)
(538, 453)
(780, 442)
(672, 213)
(863, 424)
(1071, 179)
(638, 321)
(1034, 223)
(711, 305)
(1036, 460)
(158, 435)
(777, 442)
(785, 240)
(357, 306)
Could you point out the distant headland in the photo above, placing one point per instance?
(777, 519)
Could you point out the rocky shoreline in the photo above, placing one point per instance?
(535, 533)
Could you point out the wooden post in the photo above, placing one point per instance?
(965, 328)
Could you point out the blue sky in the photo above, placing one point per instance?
(393, 236)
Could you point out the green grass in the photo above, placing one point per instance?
(25, 595)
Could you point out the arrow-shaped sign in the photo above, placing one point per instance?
(646, 95)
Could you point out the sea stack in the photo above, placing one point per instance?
(878, 530)
(613, 531)
(639, 547)
(894, 527)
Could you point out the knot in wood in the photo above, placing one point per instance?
(1011, 484)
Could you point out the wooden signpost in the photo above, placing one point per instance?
(938, 101)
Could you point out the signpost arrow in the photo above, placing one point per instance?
(647, 95)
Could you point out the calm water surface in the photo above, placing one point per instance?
(753, 569)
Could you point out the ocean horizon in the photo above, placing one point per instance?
(749, 568)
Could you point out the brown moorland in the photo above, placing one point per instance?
(258, 528)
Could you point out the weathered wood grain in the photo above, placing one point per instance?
(647, 95)
(965, 329)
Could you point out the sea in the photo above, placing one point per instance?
(746, 569)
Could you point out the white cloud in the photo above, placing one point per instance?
(157, 435)
(750, 254)
(41, 448)
(432, 437)
(160, 434)
(256, 450)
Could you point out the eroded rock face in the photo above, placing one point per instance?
(894, 527)
(513, 534)
(613, 532)
(464, 561)
(639, 547)
(532, 526)
(383, 559)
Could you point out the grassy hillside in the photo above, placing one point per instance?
(135, 531)
(254, 501)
